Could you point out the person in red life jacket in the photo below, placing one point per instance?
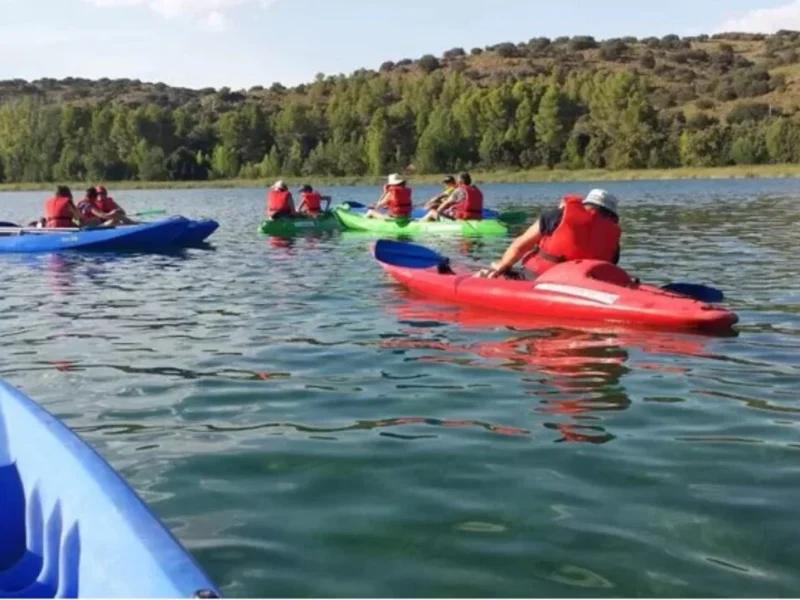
(579, 228)
(465, 203)
(60, 210)
(396, 198)
(107, 210)
(87, 209)
(311, 202)
(280, 204)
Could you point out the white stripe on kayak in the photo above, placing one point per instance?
(602, 297)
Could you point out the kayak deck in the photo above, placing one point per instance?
(70, 526)
(355, 221)
(325, 222)
(586, 290)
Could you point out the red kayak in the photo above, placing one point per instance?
(581, 289)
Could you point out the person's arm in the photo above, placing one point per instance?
(453, 198)
(435, 200)
(302, 205)
(518, 248)
(383, 201)
(76, 214)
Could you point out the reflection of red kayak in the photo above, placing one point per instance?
(585, 289)
(546, 345)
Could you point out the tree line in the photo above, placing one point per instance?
(431, 120)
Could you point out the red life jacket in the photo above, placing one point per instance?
(582, 234)
(399, 201)
(313, 201)
(57, 212)
(471, 208)
(279, 201)
(106, 204)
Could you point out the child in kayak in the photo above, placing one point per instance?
(98, 208)
(311, 202)
(449, 183)
(580, 228)
(60, 210)
(396, 197)
(465, 203)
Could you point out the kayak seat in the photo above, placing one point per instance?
(609, 273)
(575, 270)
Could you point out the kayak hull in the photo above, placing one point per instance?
(584, 290)
(145, 236)
(357, 222)
(197, 232)
(326, 222)
(71, 526)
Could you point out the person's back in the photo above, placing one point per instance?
(59, 211)
(588, 229)
(400, 203)
(469, 200)
(311, 201)
(279, 201)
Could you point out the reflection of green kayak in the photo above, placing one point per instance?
(325, 222)
(357, 222)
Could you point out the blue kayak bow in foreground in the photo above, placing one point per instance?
(414, 256)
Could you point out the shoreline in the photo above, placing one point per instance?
(532, 176)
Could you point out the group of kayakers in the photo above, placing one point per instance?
(97, 208)
(580, 228)
(280, 202)
(460, 200)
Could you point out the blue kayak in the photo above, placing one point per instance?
(69, 524)
(196, 232)
(146, 236)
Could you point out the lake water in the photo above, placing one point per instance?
(306, 428)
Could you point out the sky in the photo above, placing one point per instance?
(243, 43)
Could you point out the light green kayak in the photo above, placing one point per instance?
(357, 222)
(325, 222)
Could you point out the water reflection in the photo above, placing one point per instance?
(574, 370)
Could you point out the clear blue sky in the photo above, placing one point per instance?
(241, 43)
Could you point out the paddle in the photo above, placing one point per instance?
(149, 213)
(414, 256)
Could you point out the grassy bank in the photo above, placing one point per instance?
(532, 176)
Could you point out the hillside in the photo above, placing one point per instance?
(569, 102)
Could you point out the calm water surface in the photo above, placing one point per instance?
(306, 428)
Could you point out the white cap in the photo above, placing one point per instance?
(602, 198)
(395, 179)
(279, 185)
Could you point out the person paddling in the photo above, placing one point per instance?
(311, 201)
(580, 228)
(60, 210)
(465, 203)
(396, 197)
(450, 185)
(280, 204)
(104, 209)
(86, 208)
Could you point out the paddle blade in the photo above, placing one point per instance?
(697, 291)
(149, 213)
(354, 204)
(405, 254)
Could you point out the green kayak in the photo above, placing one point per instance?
(325, 222)
(357, 222)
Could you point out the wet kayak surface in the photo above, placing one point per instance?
(306, 427)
